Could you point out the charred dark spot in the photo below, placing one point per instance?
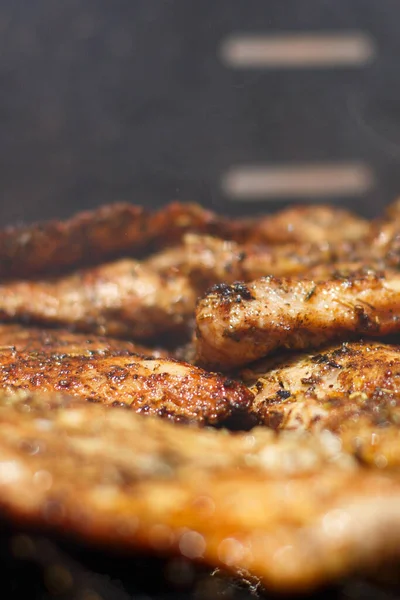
(325, 359)
(237, 292)
(118, 404)
(311, 293)
(283, 394)
(64, 383)
(310, 380)
(229, 383)
(365, 322)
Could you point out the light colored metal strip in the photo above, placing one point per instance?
(298, 50)
(297, 181)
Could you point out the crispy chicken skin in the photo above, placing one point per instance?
(290, 511)
(34, 339)
(161, 387)
(239, 323)
(352, 389)
(120, 299)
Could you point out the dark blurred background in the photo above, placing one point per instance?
(154, 100)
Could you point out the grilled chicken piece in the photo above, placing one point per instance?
(240, 323)
(292, 511)
(208, 260)
(96, 236)
(121, 230)
(33, 339)
(352, 389)
(161, 387)
(308, 223)
(121, 299)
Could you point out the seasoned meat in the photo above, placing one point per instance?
(208, 260)
(240, 323)
(33, 339)
(120, 230)
(352, 389)
(121, 299)
(292, 511)
(162, 387)
(309, 223)
(95, 236)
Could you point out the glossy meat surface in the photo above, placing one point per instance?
(352, 389)
(161, 387)
(240, 323)
(121, 299)
(290, 511)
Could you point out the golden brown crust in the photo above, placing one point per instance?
(119, 299)
(95, 236)
(240, 323)
(292, 511)
(161, 387)
(352, 389)
(123, 229)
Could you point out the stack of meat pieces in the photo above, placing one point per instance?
(277, 327)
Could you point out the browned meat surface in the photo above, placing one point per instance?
(33, 339)
(308, 223)
(121, 230)
(121, 299)
(292, 511)
(208, 260)
(240, 323)
(94, 236)
(150, 386)
(352, 389)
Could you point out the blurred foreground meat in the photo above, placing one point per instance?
(352, 389)
(239, 323)
(291, 511)
(161, 387)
